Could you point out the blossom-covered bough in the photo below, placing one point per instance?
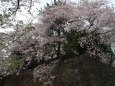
(68, 28)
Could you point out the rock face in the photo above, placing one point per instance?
(77, 71)
(23, 79)
(84, 71)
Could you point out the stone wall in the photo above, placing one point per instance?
(77, 71)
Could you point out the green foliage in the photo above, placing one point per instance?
(1, 19)
(72, 46)
(16, 64)
(108, 49)
(15, 60)
(30, 27)
(16, 55)
(4, 18)
(11, 63)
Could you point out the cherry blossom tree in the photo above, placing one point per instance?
(94, 18)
